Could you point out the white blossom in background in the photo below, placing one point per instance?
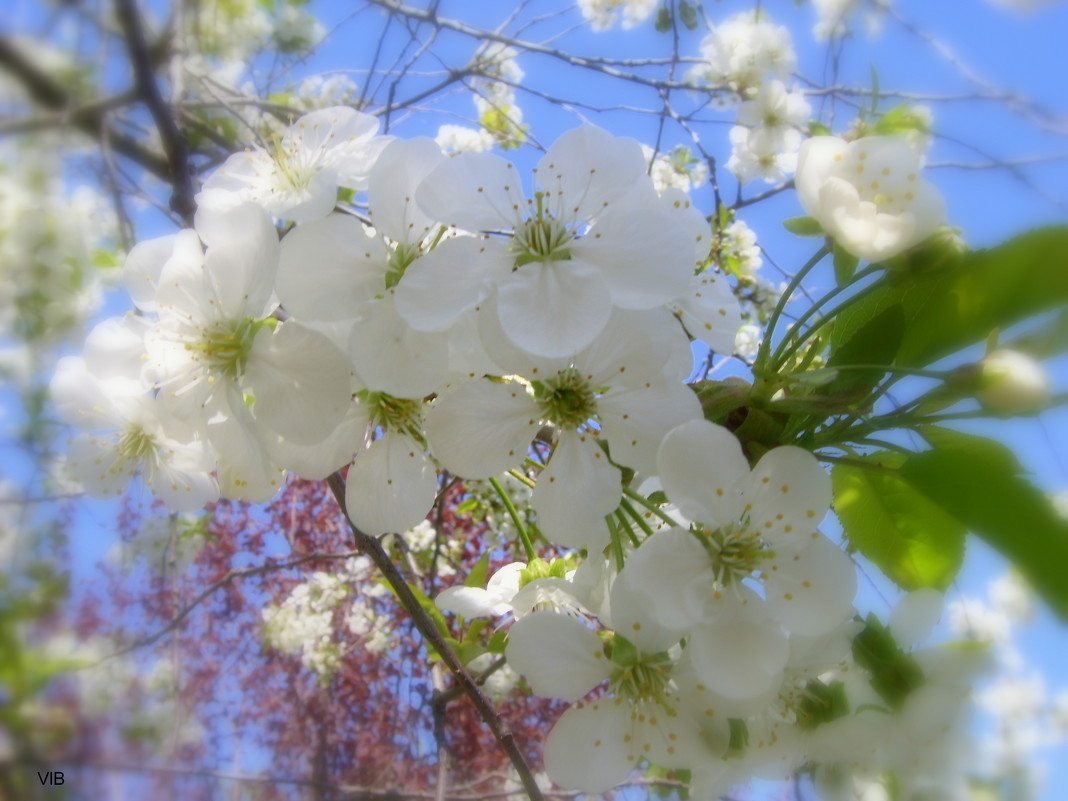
(52, 241)
(747, 341)
(323, 91)
(742, 51)
(675, 169)
(461, 139)
(771, 166)
(303, 624)
(775, 119)
(603, 14)
(868, 194)
(835, 15)
(739, 248)
(298, 181)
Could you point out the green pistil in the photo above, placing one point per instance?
(646, 680)
(395, 414)
(134, 443)
(540, 239)
(566, 400)
(402, 256)
(226, 345)
(735, 552)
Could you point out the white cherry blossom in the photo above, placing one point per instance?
(868, 194)
(590, 239)
(332, 147)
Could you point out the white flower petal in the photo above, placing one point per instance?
(914, 617)
(741, 656)
(95, 462)
(574, 493)
(329, 268)
(557, 655)
(815, 164)
(470, 602)
(449, 280)
(635, 421)
(674, 573)
(586, 751)
(710, 311)
(240, 263)
(554, 308)
(317, 461)
(390, 356)
(644, 254)
(391, 486)
(300, 382)
(481, 428)
(396, 175)
(587, 169)
(811, 593)
(473, 191)
(789, 494)
(703, 471)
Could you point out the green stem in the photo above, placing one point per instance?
(625, 525)
(652, 507)
(780, 355)
(524, 536)
(795, 282)
(617, 545)
(626, 506)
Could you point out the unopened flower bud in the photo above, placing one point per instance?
(1011, 382)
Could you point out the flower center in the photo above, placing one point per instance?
(295, 171)
(566, 400)
(225, 345)
(395, 414)
(735, 551)
(399, 261)
(540, 239)
(135, 443)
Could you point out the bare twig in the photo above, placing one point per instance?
(182, 172)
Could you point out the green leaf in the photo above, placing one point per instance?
(479, 571)
(894, 674)
(428, 605)
(979, 482)
(663, 19)
(845, 265)
(821, 703)
(876, 342)
(890, 519)
(497, 642)
(960, 304)
(817, 128)
(803, 226)
(688, 15)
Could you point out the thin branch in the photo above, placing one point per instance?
(371, 547)
(182, 172)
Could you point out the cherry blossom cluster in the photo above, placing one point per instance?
(455, 317)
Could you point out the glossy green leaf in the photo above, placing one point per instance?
(889, 517)
(980, 483)
(875, 342)
(479, 572)
(948, 306)
(803, 226)
(845, 265)
(894, 673)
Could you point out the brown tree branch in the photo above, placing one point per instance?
(182, 172)
(371, 547)
(89, 118)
